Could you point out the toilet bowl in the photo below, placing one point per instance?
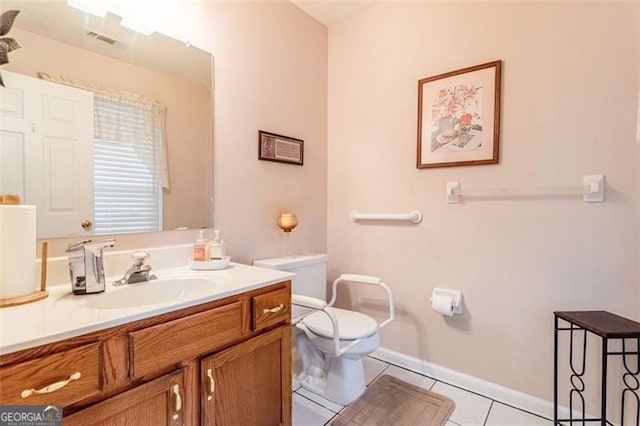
(331, 341)
(352, 326)
(338, 378)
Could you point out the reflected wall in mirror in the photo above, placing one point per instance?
(47, 168)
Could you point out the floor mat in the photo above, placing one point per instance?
(389, 400)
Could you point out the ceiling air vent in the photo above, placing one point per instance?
(103, 38)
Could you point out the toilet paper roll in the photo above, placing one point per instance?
(17, 251)
(442, 304)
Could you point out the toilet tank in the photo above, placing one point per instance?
(310, 270)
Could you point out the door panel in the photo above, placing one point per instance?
(12, 102)
(61, 170)
(14, 131)
(12, 163)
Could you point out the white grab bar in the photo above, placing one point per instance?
(414, 217)
(308, 301)
(367, 279)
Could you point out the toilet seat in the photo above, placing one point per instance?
(351, 325)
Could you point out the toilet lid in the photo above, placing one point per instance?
(352, 325)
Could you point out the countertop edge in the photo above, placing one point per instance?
(276, 277)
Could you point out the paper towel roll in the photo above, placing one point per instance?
(17, 251)
(442, 304)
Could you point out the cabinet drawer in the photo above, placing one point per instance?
(46, 377)
(271, 308)
(186, 338)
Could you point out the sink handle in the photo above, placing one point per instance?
(139, 257)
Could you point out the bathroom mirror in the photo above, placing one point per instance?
(90, 52)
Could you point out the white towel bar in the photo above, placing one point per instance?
(414, 217)
(592, 191)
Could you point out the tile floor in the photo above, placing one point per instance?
(471, 409)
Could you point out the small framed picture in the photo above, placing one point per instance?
(283, 149)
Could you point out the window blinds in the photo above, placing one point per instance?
(126, 144)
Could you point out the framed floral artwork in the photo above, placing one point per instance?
(459, 117)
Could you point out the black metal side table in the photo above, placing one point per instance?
(608, 326)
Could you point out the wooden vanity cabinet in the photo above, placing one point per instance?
(238, 389)
(226, 362)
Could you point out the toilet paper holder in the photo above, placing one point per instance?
(455, 295)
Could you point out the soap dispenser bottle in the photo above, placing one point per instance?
(86, 266)
(201, 248)
(217, 246)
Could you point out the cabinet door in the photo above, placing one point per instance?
(156, 403)
(250, 383)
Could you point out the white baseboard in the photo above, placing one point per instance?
(511, 397)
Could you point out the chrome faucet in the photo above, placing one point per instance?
(86, 267)
(139, 271)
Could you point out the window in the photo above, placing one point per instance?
(129, 164)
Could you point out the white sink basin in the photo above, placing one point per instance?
(151, 292)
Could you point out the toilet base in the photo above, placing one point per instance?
(339, 379)
(344, 382)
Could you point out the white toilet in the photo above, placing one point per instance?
(330, 341)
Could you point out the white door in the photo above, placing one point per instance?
(53, 136)
(14, 132)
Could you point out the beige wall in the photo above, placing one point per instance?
(270, 73)
(188, 115)
(570, 87)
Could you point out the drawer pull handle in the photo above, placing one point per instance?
(52, 387)
(212, 384)
(176, 392)
(273, 310)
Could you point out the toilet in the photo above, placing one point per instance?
(331, 341)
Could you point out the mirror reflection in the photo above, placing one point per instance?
(104, 129)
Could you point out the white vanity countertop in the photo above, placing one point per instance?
(63, 315)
